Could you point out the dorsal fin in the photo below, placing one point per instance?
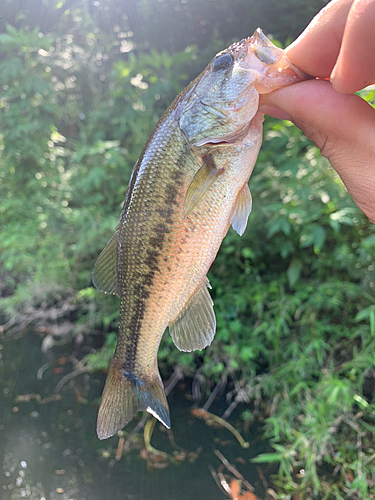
(241, 210)
(200, 184)
(194, 328)
(104, 275)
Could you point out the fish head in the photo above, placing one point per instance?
(225, 96)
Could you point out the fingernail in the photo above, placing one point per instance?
(275, 112)
(338, 83)
(333, 74)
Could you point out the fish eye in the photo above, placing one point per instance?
(222, 61)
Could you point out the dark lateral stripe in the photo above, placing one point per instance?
(155, 246)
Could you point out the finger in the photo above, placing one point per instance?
(355, 67)
(316, 50)
(273, 111)
(341, 126)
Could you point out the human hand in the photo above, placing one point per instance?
(338, 44)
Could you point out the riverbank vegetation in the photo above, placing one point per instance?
(81, 88)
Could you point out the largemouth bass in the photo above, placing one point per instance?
(187, 187)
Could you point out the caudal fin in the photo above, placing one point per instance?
(124, 395)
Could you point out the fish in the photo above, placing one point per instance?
(189, 185)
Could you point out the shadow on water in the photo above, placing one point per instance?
(49, 449)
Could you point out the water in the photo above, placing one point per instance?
(49, 449)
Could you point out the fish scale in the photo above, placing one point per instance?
(187, 187)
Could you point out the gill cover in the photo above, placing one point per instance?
(215, 109)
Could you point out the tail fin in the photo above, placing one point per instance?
(124, 395)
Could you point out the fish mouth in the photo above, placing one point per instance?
(275, 67)
(268, 53)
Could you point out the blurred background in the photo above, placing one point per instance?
(82, 84)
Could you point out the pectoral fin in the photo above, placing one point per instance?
(241, 210)
(104, 275)
(194, 328)
(201, 183)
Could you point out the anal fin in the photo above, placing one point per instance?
(104, 275)
(241, 210)
(125, 394)
(195, 326)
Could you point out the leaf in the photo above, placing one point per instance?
(286, 248)
(313, 235)
(267, 458)
(369, 242)
(319, 236)
(367, 314)
(247, 253)
(11, 29)
(342, 216)
(247, 353)
(294, 272)
(335, 225)
(281, 224)
(4, 38)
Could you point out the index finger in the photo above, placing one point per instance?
(355, 68)
(316, 50)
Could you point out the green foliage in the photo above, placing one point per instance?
(294, 297)
(63, 180)
(101, 362)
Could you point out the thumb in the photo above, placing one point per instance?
(341, 126)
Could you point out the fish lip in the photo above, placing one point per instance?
(260, 38)
(262, 47)
(270, 55)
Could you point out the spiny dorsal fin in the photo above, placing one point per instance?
(194, 328)
(241, 210)
(200, 184)
(104, 275)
